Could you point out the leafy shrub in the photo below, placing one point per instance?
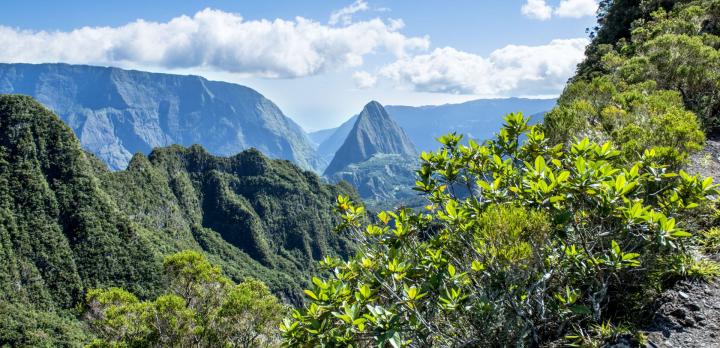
(635, 117)
(202, 308)
(520, 242)
(710, 240)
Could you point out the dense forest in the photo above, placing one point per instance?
(551, 234)
(70, 225)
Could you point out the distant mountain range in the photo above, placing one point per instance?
(116, 113)
(477, 119)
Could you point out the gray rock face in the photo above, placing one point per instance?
(116, 113)
(374, 132)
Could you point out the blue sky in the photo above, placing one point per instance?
(319, 68)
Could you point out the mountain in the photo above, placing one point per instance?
(320, 136)
(247, 206)
(373, 132)
(384, 181)
(68, 224)
(116, 113)
(477, 119)
(59, 232)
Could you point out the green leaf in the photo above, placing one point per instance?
(311, 294)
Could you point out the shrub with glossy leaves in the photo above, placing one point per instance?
(201, 309)
(520, 242)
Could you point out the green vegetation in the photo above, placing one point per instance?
(634, 117)
(564, 231)
(59, 233)
(550, 241)
(253, 216)
(202, 308)
(67, 224)
(558, 233)
(651, 79)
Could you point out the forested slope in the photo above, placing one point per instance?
(68, 224)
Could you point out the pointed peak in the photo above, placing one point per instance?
(374, 132)
(373, 104)
(374, 110)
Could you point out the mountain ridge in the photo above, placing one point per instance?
(69, 224)
(116, 113)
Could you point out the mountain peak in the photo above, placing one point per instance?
(374, 132)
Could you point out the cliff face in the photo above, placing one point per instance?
(116, 113)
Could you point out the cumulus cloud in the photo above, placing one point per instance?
(344, 14)
(576, 8)
(364, 79)
(511, 70)
(537, 9)
(216, 40)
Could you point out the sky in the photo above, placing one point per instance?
(320, 61)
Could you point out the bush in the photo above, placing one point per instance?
(520, 242)
(635, 117)
(202, 308)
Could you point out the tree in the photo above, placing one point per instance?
(201, 308)
(522, 242)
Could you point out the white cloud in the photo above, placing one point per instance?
(510, 71)
(345, 14)
(576, 8)
(215, 40)
(537, 9)
(364, 80)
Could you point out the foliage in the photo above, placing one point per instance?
(67, 224)
(672, 45)
(615, 20)
(602, 334)
(520, 242)
(59, 233)
(252, 215)
(684, 266)
(710, 241)
(634, 117)
(23, 326)
(202, 308)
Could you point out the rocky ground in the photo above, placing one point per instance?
(707, 161)
(688, 316)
